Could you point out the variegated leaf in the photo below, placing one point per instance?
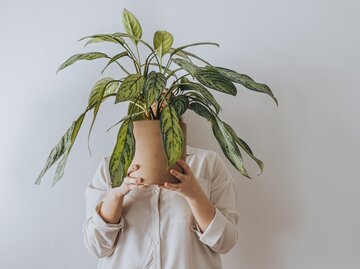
(180, 103)
(130, 87)
(99, 91)
(215, 80)
(244, 146)
(131, 25)
(171, 134)
(82, 56)
(191, 45)
(154, 85)
(113, 38)
(98, 87)
(187, 85)
(114, 59)
(224, 138)
(246, 81)
(228, 146)
(122, 154)
(63, 147)
(186, 65)
(162, 41)
(186, 54)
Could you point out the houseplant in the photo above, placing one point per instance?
(163, 89)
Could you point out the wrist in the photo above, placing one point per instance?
(116, 194)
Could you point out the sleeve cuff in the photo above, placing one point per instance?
(101, 225)
(214, 231)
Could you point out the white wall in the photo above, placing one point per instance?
(302, 212)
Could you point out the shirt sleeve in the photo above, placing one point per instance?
(221, 234)
(99, 236)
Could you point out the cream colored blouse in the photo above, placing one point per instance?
(157, 228)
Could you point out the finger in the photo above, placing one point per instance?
(185, 166)
(177, 174)
(172, 186)
(132, 169)
(133, 180)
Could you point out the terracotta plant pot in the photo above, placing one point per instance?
(150, 155)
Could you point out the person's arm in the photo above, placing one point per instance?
(217, 227)
(221, 234)
(103, 211)
(99, 235)
(202, 210)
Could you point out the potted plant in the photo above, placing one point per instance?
(158, 96)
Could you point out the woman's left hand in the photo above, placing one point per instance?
(189, 187)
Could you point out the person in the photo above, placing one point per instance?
(185, 225)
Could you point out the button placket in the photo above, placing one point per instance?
(156, 225)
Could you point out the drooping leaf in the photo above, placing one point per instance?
(122, 154)
(131, 25)
(97, 95)
(187, 85)
(202, 111)
(246, 81)
(171, 134)
(154, 85)
(82, 56)
(229, 146)
(186, 65)
(224, 138)
(162, 41)
(180, 103)
(62, 148)
(215, 80)
(131, 86)
(114, 59)
(244, 146)
(113, 38)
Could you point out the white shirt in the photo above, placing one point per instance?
(157, 229)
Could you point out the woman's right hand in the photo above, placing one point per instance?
(129, 183)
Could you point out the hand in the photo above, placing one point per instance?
(189, 187)
(129, 183)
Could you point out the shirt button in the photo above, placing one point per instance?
(155, 190)
(157, 243)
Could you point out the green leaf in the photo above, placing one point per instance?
(180, 103)
(113, 38)
(154, 85)
(246, 81)
(186, 65)
(191, 45)
(97, 89)
(97, 95)
(171, 134)
(162, 41)
(244, 146)
(123, 153)
(215, 80)
(202, 111)
(186, 54)
(131, 86)
(82, 56)
(115, 58)
(223, 136)
(228, 146)
(131, 25)
(62, 148)
(187, 85)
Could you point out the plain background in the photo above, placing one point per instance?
(302, 212)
